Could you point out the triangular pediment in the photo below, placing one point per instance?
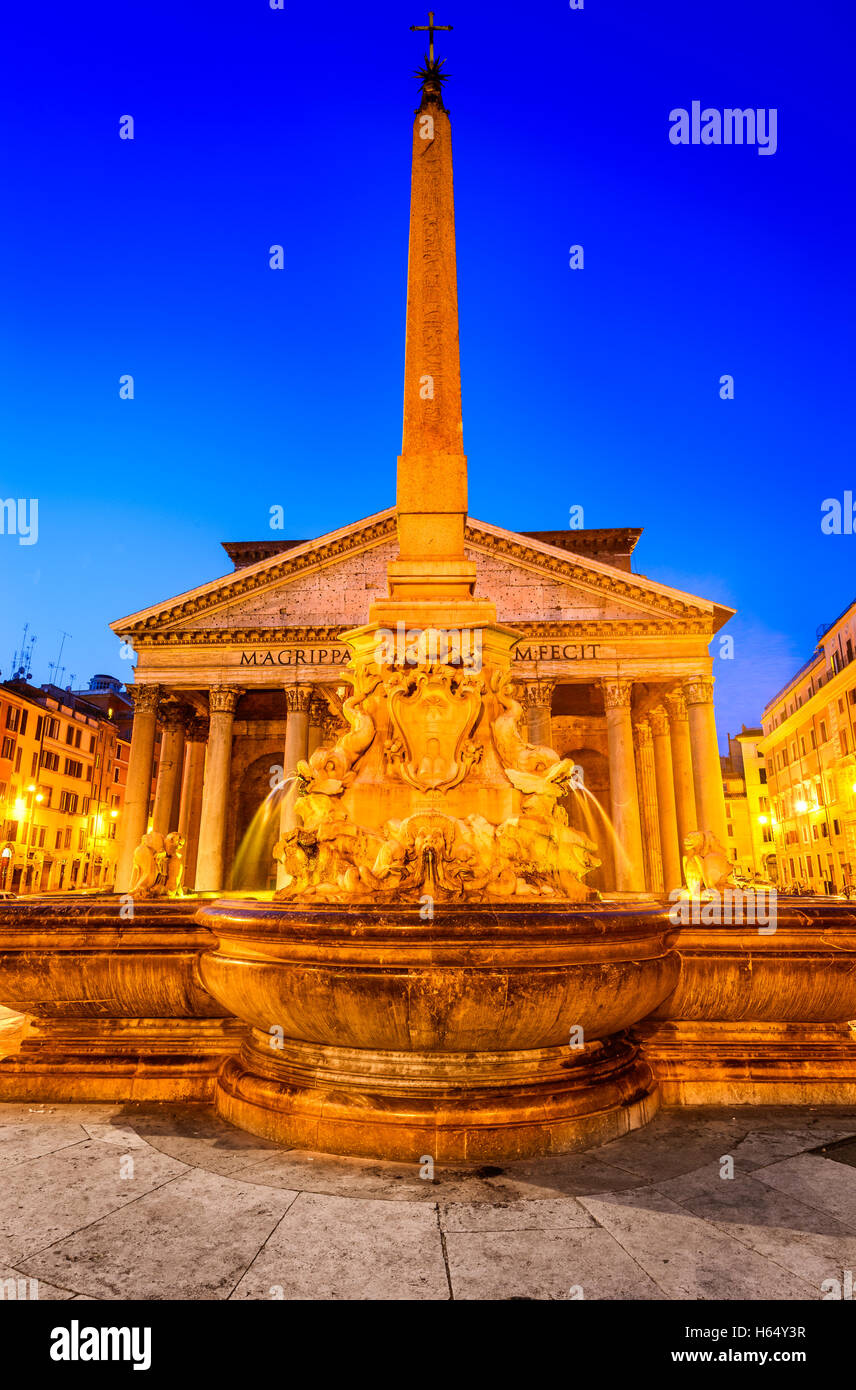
(327, 585)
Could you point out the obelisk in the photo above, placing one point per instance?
(431, 578)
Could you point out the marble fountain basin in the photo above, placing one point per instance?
(761, 1015)
(117, 1009)
(487, 1032)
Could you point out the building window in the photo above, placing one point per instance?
(8, 750)
(68, 837)
(836, 829)
(18, 760)
(73, 768)
(68, 803)
(12, 717)
(92, 743)
(69, 735)
(823, 734)
(762, 776)
(58, 844)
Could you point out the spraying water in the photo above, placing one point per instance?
(254, 865)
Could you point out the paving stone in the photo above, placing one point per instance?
(808, 1242)
(195, 1135)
(193, 1238)
(673, 1144)
(334, 1248)
(47, 1198)
(20, 1143)
(688, 1257)
(506, 1265)
(761, 1147)
(549, 1214)
(816, 1181)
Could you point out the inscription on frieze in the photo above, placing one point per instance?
(567, 651)
(296, 656)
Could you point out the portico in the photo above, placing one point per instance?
(246, 676)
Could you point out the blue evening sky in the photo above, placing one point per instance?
(254, 387)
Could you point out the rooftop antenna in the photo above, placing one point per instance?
(19, 657)
(57, 666)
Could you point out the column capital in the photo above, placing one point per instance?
(698, 690)
(676, 704)
(538, 694)
(197, 730)
(617, 692)
(642, 731)
(318, 710)
(659, 721)
(145, 697)
(298, 698)
(332, 729)
(223, 699)
(173, 714)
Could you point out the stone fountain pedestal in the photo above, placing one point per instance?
(117, 1011)
(487, 1033)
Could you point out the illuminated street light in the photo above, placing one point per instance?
(801, 806)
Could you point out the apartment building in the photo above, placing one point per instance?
(63, 767)
(809, 746)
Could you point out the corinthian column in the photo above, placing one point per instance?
(682, 765)
(168, 788)
(647, 784)
(191, 795)
(623, 794)
(298, 699)
(666, 810)
(210, 866)
(707, 769)
(138, 787)
(537, 701)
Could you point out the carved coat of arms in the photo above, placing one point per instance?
(433, 715)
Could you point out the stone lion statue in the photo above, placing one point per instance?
(706, 864)
(158, 865)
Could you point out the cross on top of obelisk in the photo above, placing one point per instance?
(429, 28)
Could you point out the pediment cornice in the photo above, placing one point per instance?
(660, 609)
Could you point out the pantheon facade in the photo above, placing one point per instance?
(247, 674)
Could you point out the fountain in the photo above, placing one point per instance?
(434, 976)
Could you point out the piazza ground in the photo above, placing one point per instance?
(207, 1212)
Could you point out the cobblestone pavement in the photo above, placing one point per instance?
(164, 1202)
